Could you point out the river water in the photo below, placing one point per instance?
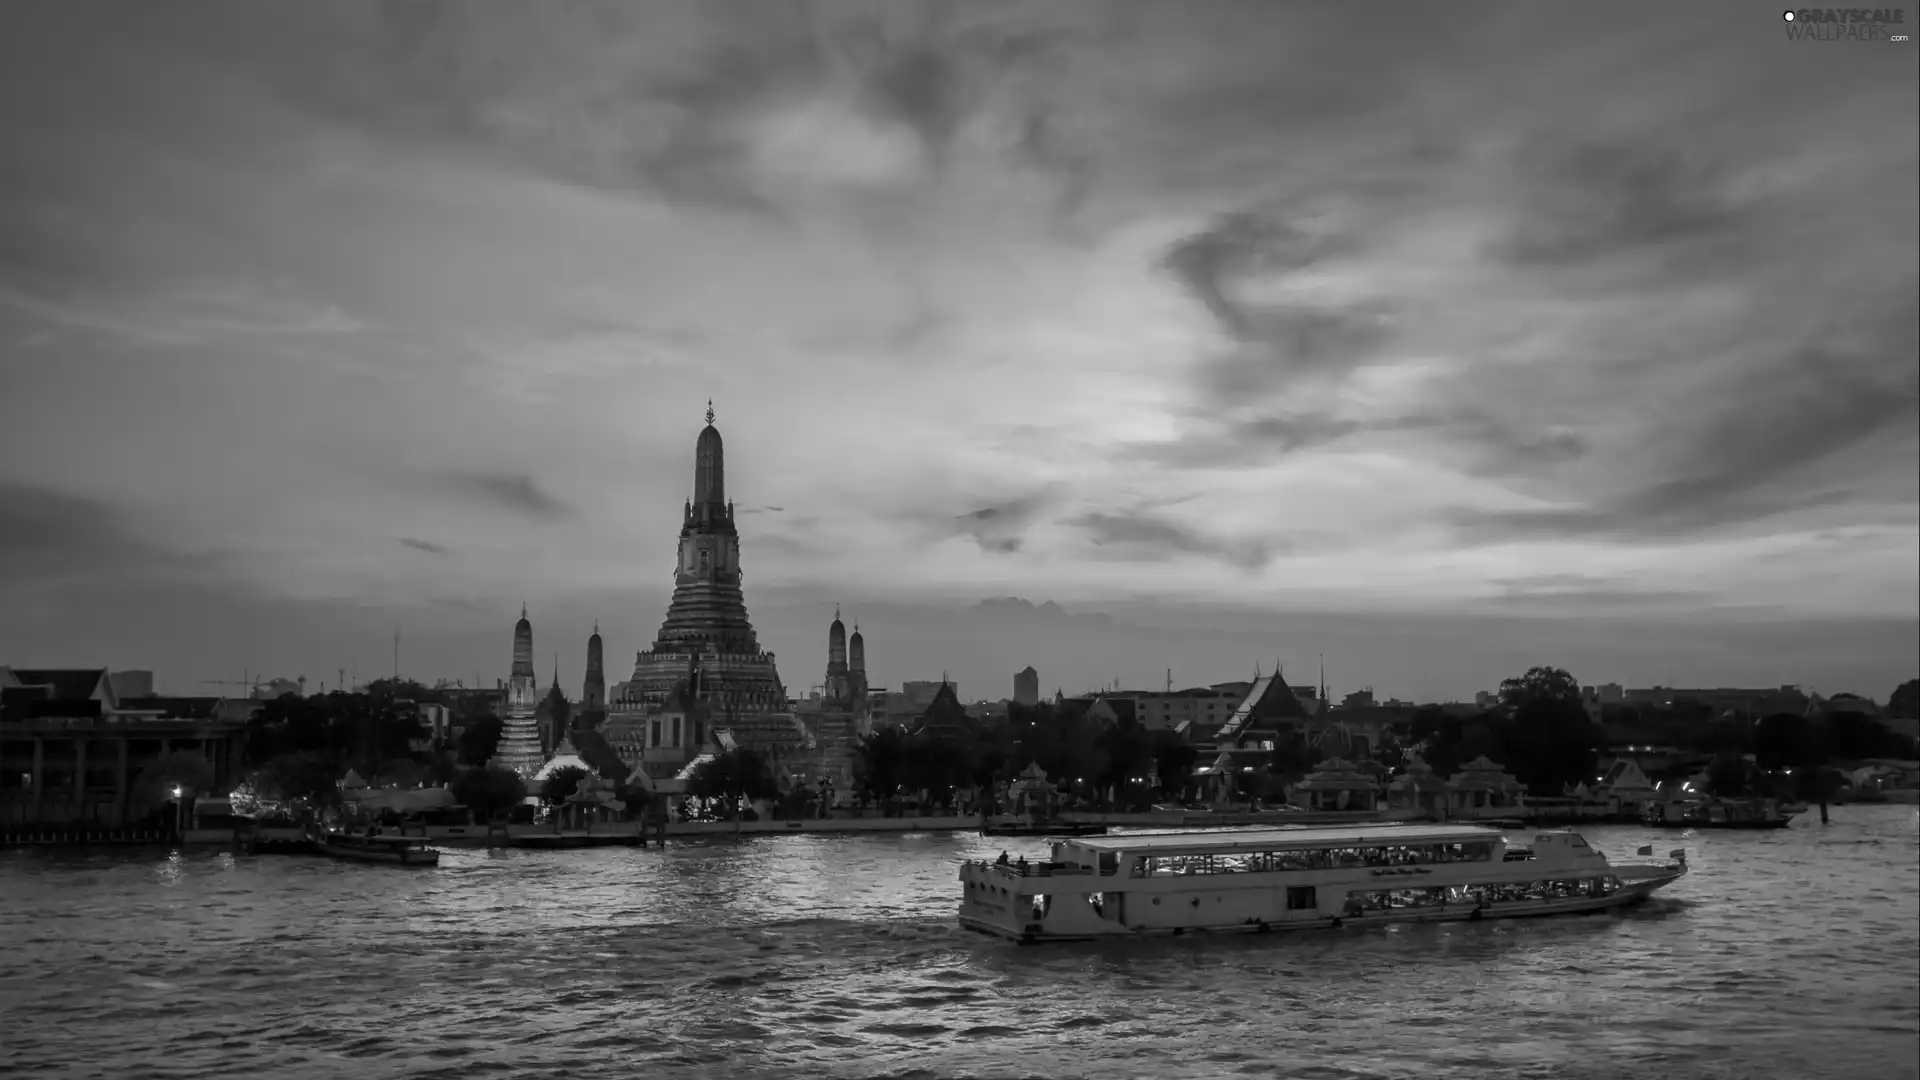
(1785, 954)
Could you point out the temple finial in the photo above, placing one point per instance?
(523, 609)
(709, 410)
(836, 610)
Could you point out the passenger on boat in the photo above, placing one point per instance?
(1022, 865)
(1003, 859)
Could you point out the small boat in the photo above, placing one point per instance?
(1042, 828)
(359, 847)
(1296, 879)
(1718, 814)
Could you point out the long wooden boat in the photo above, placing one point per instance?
(393, 850)
(1026, 827)
(1296, 879)
(1718, 814)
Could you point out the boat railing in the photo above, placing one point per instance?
(1037, 869)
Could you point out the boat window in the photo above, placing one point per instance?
(1260, 862)
(1302, 898)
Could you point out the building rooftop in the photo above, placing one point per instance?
(1292, 836)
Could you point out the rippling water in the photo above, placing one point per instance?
(1788, 954)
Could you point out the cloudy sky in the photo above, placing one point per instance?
(1443, 337)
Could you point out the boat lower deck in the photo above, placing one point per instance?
(1629, 894)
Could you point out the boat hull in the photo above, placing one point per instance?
(1630, 894)
(1769, 823)
(1167, 885)
(1063, 829)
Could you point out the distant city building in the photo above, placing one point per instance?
(131, 684)
(1026, 686)
(1206, 706)
(1359, 699)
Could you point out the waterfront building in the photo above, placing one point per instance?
(1026, 686)
(1418, 790)
(72, 749)
(519, 748)
(1337, 784)
(1481, 786)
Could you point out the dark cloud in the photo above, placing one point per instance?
(1778, 441)
(1001, 527)
(427, 546)
(1584, 202)
(1147, 537)
(518, 493)
(50, 538)
(1585, 592)
(1275, 340)
(761, 510)
(1486, 443)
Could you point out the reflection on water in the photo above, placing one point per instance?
(1794, 953)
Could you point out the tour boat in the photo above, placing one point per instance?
(1719, 814)
(397, 850)
(1295, 878)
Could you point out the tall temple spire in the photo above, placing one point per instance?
(708, 615)
(593, 694)
(709, 474)
(837, 643)
(523, 645)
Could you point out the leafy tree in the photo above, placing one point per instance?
(739, 772)
(1856, 735)
(880, 763)
(1126, 751)
(1729, 777)
(1788, 741)
(1541, 685)
(405, 689)
(561, 784)
(293, 777)
(1292, 757)
(1905, 700)
(188, 773)
(478, 740)
(1174, 761)
(490, 792)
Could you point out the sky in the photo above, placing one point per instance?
(1439, 339)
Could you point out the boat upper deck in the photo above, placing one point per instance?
(1287, 837)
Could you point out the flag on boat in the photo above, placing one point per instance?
(1646, 850)
(1677, 853)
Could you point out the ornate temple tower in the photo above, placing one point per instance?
(857, 670)
(836, 683)
(593, 695)
(519, 747)
(707, 618)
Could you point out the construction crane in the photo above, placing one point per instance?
(247, 680)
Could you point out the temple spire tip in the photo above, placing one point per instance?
(709, 411)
